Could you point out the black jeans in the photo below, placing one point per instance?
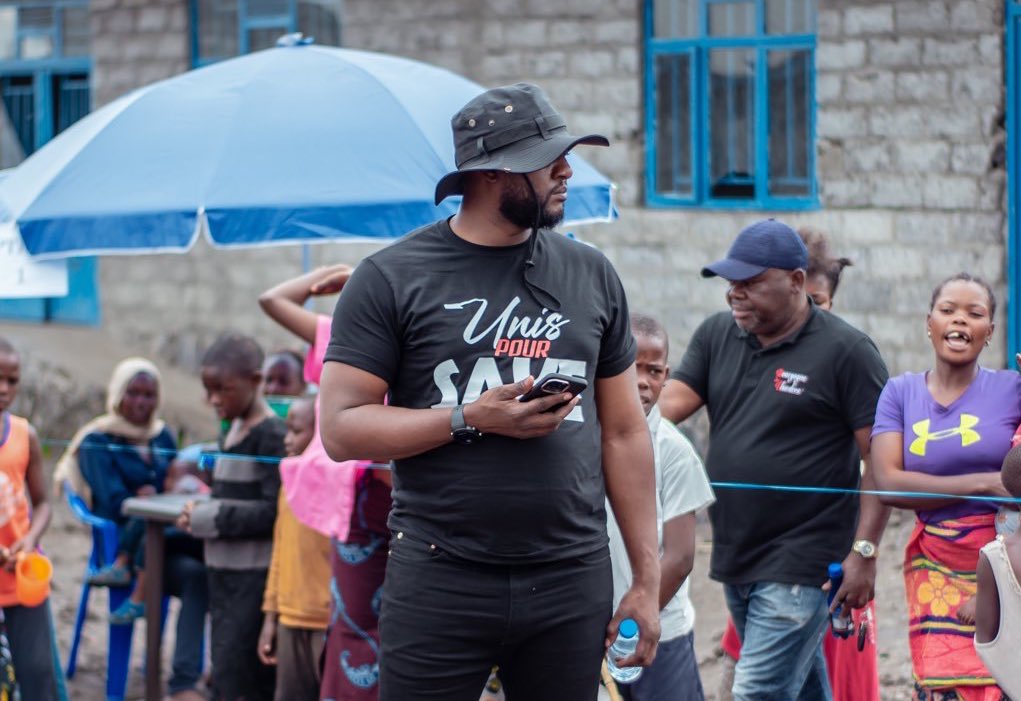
(446, 621)
(235, 612)
(28, 631)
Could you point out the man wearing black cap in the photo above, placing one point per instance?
(499, 547)
(791, 393)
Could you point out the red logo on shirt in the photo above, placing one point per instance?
(789, 382)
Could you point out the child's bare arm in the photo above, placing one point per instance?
(39, 494)
(678, 556)
(987, 603)
(284, 302)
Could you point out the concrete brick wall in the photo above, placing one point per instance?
(908, 94)
(910, 98)
(136, 42)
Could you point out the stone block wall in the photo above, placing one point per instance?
(910, 108)
(136, 42)
(909, 98)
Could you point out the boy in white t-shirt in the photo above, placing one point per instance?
(682, 488)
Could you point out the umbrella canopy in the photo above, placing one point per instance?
(293, 144)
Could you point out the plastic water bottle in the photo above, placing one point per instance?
(1007, 521)
(624, 646)
(841, 627)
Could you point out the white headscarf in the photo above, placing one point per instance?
(112, 422)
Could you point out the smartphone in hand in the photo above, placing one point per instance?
(555, 383)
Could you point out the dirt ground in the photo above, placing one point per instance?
(68, 543)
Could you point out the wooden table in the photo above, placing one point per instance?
(158, 511)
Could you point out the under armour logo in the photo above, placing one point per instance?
(965, 431)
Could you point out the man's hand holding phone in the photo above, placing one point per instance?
(500, 411)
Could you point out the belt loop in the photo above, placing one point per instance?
(540, 122)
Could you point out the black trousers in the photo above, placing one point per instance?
(235, 614)
(28, 631)
(446, 621)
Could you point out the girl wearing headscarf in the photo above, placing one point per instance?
(121, 454)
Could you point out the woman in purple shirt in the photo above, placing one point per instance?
(946, 432)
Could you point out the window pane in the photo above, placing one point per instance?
(789, 16)
(36, 46)
(265, 38)
(8, 26)
(267, 8)
(75, 23)
(218, 29)
(731, 123)
(17, 124)
(70, 100)
(732, 19)
(673, 125)
(35, 17)
(675, 18)
(320, 19)
(789, 102)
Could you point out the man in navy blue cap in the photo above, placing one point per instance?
(791, 393)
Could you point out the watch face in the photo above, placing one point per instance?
(466, 436)
(865, 548)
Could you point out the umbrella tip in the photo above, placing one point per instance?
(295, 39)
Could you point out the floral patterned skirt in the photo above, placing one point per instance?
(351, 656)
(939, 576)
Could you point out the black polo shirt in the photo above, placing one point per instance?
(783, 415)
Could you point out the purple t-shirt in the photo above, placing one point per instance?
(970, 435)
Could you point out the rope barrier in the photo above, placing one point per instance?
(206, 458)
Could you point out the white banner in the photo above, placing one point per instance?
(20, 276)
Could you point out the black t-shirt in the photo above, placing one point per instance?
(441, 320)
(783, 415)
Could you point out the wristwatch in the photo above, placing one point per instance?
(461, 431)
(865, 548)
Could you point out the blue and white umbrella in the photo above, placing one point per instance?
(295, 144)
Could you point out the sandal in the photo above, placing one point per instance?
(126, 613)
(111, 576)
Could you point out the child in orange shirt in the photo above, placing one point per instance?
(297, 599)
(28, 627)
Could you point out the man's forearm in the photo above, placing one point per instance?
(631, 488)
(382, 433)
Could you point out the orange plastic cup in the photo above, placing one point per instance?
(32, 578)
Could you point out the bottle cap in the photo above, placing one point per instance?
(628, 628)
(835, 570)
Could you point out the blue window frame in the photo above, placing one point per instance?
(226, 28)
(44, 88)
(730, 103)
(1013, 22)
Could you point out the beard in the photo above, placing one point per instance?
(517, 205)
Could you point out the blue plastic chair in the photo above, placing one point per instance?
(104, 552)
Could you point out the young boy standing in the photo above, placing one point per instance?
(237, 522)
(21, 526)
(998, 602)
(682, 488)
(297, 599)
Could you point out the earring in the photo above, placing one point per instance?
(989, 341)
(929, 334)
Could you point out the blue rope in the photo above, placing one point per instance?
(207, 458)
(840, 490)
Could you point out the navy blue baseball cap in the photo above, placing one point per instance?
(765, 244)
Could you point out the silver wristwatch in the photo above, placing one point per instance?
(866, 548)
